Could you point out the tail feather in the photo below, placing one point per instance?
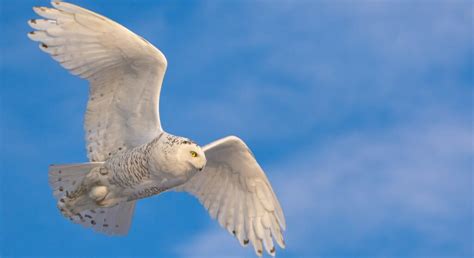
(115, 220)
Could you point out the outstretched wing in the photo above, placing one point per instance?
(235, 190)
(125, 74)
(124, 70)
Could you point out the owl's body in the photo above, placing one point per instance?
(128, 175)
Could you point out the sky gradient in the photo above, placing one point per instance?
(360, 112)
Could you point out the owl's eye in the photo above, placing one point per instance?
(194, 154)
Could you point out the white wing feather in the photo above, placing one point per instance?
(235, 190)
(125, 74)
(124, 70)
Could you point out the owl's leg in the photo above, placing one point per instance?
(104, 196)
(83, 198)
(65, 209)
(69, 203)
(73, 206)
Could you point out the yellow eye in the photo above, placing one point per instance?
(194, 154)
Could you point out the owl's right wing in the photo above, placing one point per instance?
(124, 70)
(236, 192)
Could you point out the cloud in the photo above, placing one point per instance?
(369, 193)
(316, 65)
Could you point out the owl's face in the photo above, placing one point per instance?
(176, 158)
(191, 154)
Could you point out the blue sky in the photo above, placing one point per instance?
(361, 113)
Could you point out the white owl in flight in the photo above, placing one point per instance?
(131, 157)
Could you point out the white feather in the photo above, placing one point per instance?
(248, 206)
(75, 36)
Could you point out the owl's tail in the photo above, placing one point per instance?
(69, 188)
(65, 180)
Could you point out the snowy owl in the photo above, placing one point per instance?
(131, 157)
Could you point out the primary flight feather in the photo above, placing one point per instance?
(131, 157)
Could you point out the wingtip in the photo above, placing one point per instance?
(31, 23)
(55, 3)
(38, 8)
(280, 217)
(30, 35)
(272, 251)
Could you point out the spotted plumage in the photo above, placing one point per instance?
(131, 156)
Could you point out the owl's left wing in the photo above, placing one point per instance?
(235, 190)
(125, 74)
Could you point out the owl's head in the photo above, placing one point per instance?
(177, 157)
(190, 153)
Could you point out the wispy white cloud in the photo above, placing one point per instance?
(315, 64)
